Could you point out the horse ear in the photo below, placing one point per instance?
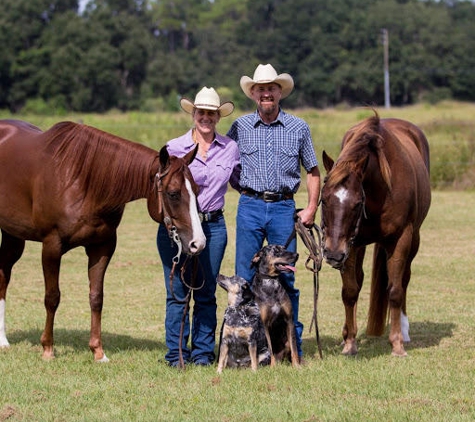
(191, 155)
(327, 161)
(164, 157)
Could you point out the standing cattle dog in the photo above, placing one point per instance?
(274, 303)
(242, 342)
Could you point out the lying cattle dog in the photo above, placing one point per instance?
(274, 303)
(242, 342)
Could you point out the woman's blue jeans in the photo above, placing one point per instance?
(257, 221)
(203, 302)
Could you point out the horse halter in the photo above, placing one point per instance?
(171, 229)
(362, 213)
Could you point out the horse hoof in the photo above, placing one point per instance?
(48, 356)
(349, 350)
(4, 344)
(401, 354)
(104, 359)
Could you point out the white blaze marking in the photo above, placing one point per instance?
(3, 336)
(199, 237)
(405, 327)
(342, 195)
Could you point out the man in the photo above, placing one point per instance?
(272, 145)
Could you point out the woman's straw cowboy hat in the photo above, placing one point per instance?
(207, 99)
(266, 74)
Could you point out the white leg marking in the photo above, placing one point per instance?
(341, 194)
(405, 327)
(199, 237)
(104, 359)
(3, 337)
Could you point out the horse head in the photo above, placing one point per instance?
(342, 207)
(174, 201)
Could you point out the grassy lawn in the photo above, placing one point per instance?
(435, 382)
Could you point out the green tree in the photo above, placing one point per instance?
(128, 33)
(23, 57)
(461, 62)
(120, 53)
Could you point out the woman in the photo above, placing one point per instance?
(216, 164)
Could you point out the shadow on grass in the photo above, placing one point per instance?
(79, 340)
(424, 334)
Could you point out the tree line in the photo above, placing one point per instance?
(143, 54)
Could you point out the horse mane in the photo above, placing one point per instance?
(361, 140)
(105, 167)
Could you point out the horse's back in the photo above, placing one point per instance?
(20, 147)
(415, 169)
(15, 136)
(409, 133)
(9, 127)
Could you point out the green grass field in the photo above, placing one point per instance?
(434, 383)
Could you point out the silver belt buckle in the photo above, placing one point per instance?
(269, 196)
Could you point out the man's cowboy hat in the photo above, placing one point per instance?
(266, 74)
(207, 99)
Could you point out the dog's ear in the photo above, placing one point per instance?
(255, 259)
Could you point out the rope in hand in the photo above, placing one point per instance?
(313, 242)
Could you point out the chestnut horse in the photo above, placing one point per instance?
(67, 187)
(378, 191)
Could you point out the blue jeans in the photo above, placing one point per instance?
(203, 325)
(257, 221)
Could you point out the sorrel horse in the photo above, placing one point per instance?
(67, 187)
(378, 191)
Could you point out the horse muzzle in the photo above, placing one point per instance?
(336, 259)
(195, 246)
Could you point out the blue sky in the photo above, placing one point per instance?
(82, 4)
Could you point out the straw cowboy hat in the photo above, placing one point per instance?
(207, 99)
(266, 74)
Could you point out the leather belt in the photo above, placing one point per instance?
(268, 196)
(210, 215)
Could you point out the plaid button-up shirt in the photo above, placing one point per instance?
(271, 155)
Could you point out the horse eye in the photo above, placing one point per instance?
(174, 195)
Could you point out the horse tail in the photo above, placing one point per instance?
(378, 306)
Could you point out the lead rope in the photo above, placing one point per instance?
(314, 245)
(173, 233)
(186, 300)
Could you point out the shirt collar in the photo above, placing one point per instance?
(279, 120)
(191, 144)
(219, 139)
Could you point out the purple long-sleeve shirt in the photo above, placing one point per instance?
(213, 174)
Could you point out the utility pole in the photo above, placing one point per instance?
(387, 102)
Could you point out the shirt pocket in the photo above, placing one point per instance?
(289, 157)
(249, 154)
(223, 173)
